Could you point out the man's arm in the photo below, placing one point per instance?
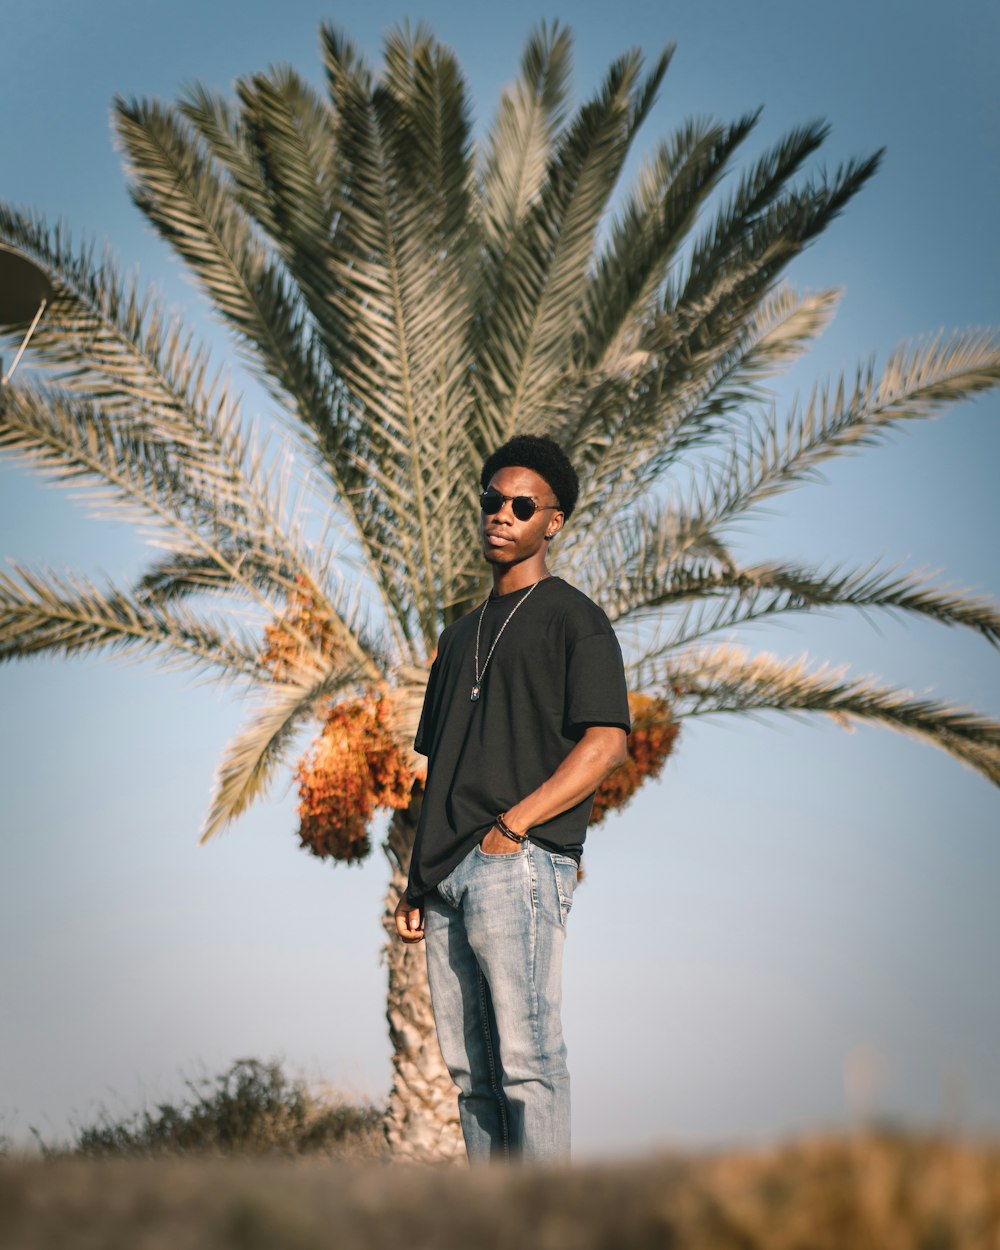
(599, 752)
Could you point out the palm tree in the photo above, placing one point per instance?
(410, 299)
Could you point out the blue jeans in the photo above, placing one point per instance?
(494, 933)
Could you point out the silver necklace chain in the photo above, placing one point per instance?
(477, 688)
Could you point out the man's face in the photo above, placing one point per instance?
(506, 540)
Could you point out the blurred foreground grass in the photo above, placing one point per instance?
(253, 1160)
(883, 1191)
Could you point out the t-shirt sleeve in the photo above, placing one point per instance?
(422, 742)
(596, 693)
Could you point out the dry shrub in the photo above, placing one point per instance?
(252, 1108)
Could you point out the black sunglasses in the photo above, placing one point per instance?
(522, 506)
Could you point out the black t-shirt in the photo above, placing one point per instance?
(556, 669)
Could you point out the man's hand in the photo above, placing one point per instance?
(409, 920)
(497, 843)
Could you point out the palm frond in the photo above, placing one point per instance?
(663, 206)
(183, 573)
(704, 316)
(726, 597)
(115, 348)
(705, 681)
(725, 385)
(42, 612)
(401, 297)
(220, 125)
(409, 685)
(774, 335)
(281, 153)
(641, 556)
(691, 400)
(917, 382)
(109, 340)
(535, 294)
(116, 466)
(138, 411)
(652, 558)
(761, 217)
(290, 133)
(74, 442)
(519, 144)
(184, 195)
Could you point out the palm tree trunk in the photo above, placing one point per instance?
(422, 1118)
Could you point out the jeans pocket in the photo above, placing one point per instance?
(565, 869)
(511, 854)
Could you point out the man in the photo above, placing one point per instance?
(525, 714)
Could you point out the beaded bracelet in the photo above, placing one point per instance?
(506, 830)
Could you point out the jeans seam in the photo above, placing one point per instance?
(533, 938)
(565, 901)
(484, 1017)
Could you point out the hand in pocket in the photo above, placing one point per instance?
(497, 843)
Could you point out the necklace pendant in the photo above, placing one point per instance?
(481, 672)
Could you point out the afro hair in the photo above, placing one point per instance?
(543, 456)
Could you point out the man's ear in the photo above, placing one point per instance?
(550, 535)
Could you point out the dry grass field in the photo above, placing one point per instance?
(870, 1191)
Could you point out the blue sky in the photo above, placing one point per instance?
(790, 902)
